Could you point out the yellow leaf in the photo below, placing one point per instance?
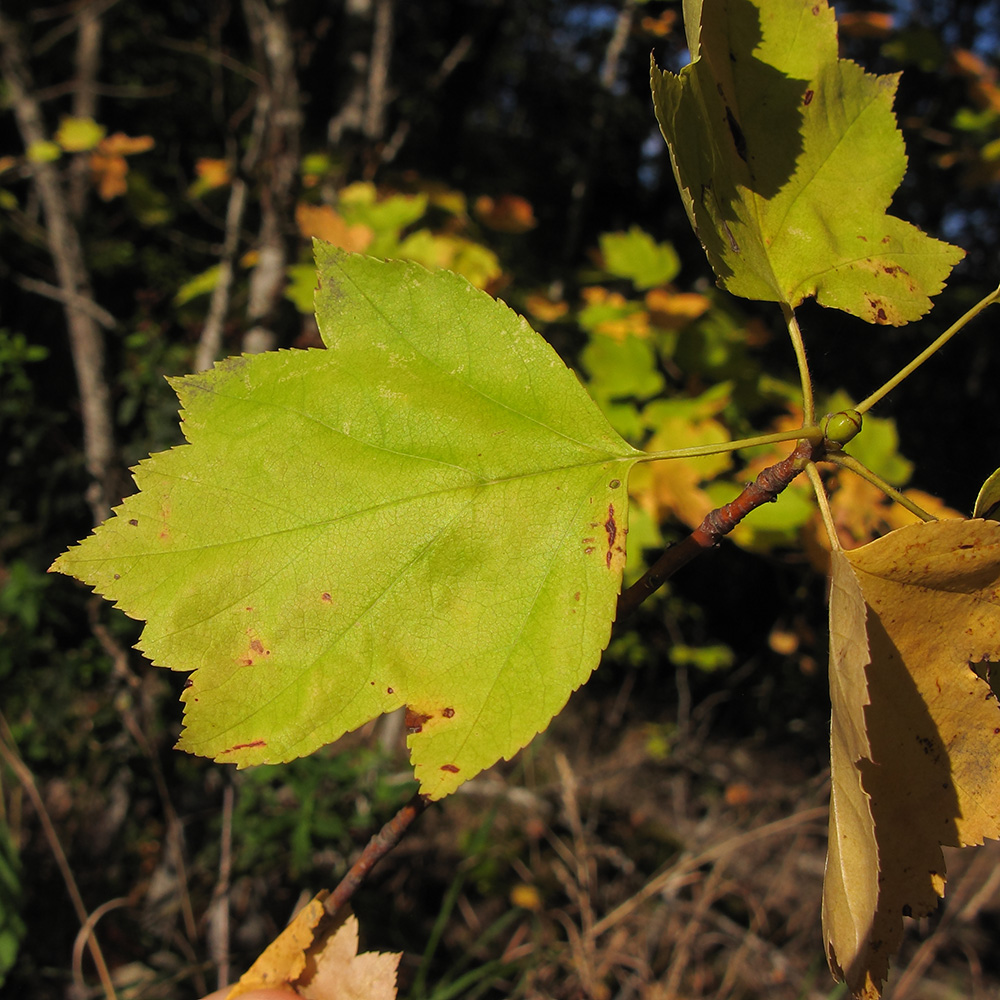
(77, 135)
(917, 738)
(850, 885)
(284, 959)
(316, 957)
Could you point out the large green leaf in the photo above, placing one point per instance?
(787, 158)
(430, 513)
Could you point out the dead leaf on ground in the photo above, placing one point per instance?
(915, 732)
(316, 957)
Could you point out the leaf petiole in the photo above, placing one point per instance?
(903, 373)
(847, 462)
(812, 433)
(798, 345)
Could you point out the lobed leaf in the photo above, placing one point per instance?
(430, 513)
(787, 158)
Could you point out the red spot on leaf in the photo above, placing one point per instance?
(388, 690)
(611, 527)
(415, 720)
(246, 746)
(257, 646)
(807, 97)
(448, 713)
(450, 768)
(327, 598)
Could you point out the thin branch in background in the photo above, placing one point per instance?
(580, 192)
(74, 14)
(83, 937)
(377, 91)
(210, 341)
(376, 849)
(66, 249)
(218, 911)
(10, 755)
(75, 301)
(278, 109)
(90, 31)
(456, 56)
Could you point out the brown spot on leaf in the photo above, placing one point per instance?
(246, 746)
(326, 597)
(880, 316)
(611, 527)
(807, 97)
(415, 720)
(450, 768)
(614, 484)
(133, 522)
(448, 713)
(388, 690)
(118, 576)
(576, 596)
(256, 645)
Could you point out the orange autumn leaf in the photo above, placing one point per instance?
(120, 144)
(108, 173)
(543, 308)
(108, 167)
(211, 173)
(325, 223)
(660, 26)
(865, 23)
(507, 214)
(673, 310)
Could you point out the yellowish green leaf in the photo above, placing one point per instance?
(787, 158)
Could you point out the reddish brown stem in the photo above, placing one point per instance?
(764, 489)
(378, 847)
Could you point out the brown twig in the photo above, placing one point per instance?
(377, 848)
(764, 489)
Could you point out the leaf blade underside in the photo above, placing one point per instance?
(787, 158)
(430, 513)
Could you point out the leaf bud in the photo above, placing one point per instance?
(839, 428)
